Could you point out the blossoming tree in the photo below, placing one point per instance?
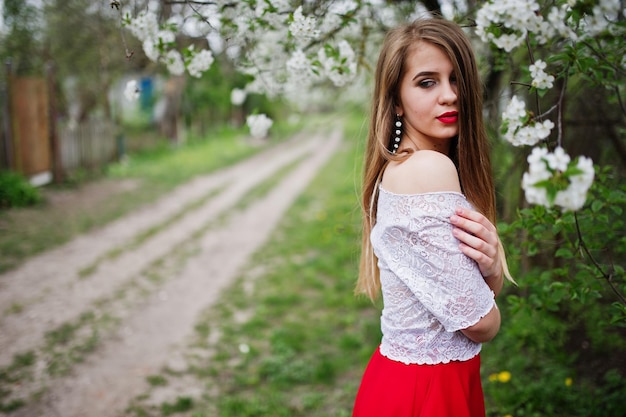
(285, 47)
(553, 178)
(565, 43)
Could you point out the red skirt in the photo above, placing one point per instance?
(394, 389)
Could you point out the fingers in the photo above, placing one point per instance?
(472, 221)
(478, 239)
(475, 245)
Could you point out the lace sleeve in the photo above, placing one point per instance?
(416, 244)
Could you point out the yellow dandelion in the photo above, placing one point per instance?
(508, 415)
(504, 376)
(493, 377)
(568, 382)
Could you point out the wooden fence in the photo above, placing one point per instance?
(35, 144)
(89, 145)
(25, 128)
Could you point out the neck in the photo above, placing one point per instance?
(410, 145)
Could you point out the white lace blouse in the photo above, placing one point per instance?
(430, 289)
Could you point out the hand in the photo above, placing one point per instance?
(480, 242)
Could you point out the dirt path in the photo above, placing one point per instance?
(104, 311)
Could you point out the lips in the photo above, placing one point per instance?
(449, 117)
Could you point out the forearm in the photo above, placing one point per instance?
(486, 328)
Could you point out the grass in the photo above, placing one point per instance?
(21, 368)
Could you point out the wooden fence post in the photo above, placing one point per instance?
(57, 165)
(6, 118)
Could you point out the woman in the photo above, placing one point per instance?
(429, 241)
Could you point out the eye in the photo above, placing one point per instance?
(427, 83)
(453, 79)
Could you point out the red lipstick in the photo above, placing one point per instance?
(448, 117)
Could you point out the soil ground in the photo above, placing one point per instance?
(104, 311)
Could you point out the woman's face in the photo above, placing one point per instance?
(428, 99)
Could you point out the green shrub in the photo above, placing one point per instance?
(560, 349)
(16, 191)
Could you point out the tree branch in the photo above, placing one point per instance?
(127, 52)
(561, 110)
(607, 277)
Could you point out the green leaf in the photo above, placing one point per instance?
(572, 170)
(597, 205)
(565, 253)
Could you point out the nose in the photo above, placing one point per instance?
(448, 93)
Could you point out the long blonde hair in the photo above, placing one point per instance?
(470, 151)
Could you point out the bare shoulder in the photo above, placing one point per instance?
(422, 172)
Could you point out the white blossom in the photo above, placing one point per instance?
(281, 5)
(553, 166)
(259, 125)
(238, 96)
(131, 91)
(519, 131)
(557, 19)
(537, 67)
(537, 171)
(165, 37)
(574, 197)
(174, 62)
(595, 23)
(516, 109)
(512, 118)
(516, 18)
(604, 13)
(513, 19)
(530, 134)
(144, 26)
(536, 156)
(610, 8)
(570, 200)
(558, 160)
(303, 28)
(300, 69)
(585, 179)
(200, 62)
(151, 51)
(543, 81)
(508, 42)
(534, 195)
(523, 136)
(543, 129)
(342, 69)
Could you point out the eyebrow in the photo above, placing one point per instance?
(424, 74)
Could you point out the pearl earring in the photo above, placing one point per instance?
(397, 136)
